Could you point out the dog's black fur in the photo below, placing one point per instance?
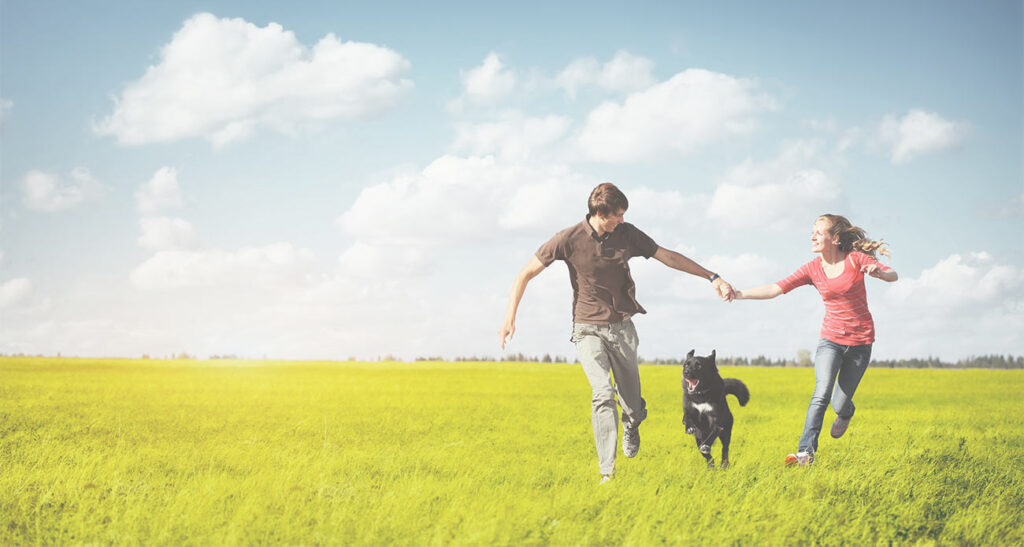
(706, 414)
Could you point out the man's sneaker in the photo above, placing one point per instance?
(839, 427)
(606, 478)
(630, 440)
(802, 459)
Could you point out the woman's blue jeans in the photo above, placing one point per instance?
(833, 361)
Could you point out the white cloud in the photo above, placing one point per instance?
(961, 280)
(535, 205)
(671, 207)
(15, 291)
(623, 73)
(789, 191)
(164, 234)
(918, 132)
(47, 192)
(689, 110)
(513, 137)
(458, 215)
(222, 79)
(666, 215)
(457, 201)
(966, 304)
(274, 265)
(579, 73)
(487, 83)
(366, 261)
(493, 81)
(159, 192)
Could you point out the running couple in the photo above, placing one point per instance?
(597, 253)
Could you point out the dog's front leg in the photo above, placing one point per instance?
(689, 420)
(705, 441)
(705, 449)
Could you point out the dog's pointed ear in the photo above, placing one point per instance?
(688, 355)
(712, 355)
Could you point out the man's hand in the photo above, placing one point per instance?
(532, 268)
(506, 331)
(724, 289)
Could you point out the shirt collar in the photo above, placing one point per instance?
(592, 232)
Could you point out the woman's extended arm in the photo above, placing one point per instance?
(764, 292)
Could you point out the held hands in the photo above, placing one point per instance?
(724, 289)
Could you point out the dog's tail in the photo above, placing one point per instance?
(737, 388)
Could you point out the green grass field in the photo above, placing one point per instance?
(209, 453)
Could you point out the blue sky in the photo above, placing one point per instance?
(333, 181)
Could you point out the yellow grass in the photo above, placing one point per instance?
(210, 453)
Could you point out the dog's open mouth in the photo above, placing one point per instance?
(691, 385)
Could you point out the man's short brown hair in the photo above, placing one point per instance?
(606, 199)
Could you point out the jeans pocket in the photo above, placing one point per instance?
(579, 331)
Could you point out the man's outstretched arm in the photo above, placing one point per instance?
(679, 262)
(532, 268)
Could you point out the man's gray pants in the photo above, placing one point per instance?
(606, 351)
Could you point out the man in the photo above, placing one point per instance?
(597, 252)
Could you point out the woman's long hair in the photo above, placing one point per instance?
(853, 238)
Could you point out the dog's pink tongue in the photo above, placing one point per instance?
(691, 384)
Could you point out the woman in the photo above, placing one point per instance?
(847, 332)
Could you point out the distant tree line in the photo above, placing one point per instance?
(803, 359)
(983, 361)
(517, 358)
(759, 361)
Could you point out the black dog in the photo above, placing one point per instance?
(705, 412)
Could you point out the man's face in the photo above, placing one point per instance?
(611, 222)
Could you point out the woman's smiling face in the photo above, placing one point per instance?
(821, 239)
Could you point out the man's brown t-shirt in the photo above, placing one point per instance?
(603, 291)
